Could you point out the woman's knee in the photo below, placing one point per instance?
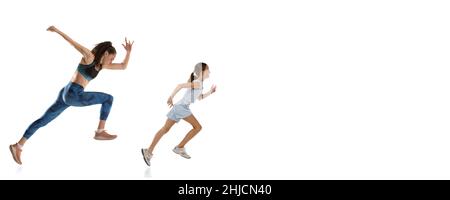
(109, 98)
(197, 127)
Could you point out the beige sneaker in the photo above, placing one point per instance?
(16, 151)
(147, 156)
(103, 135)
(182, 152)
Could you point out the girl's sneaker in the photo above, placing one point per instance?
(147, 156)
(181, 152)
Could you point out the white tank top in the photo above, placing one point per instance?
(191, 94)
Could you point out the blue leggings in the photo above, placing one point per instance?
(72, 95)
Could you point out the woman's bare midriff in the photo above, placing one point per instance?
(79, 79)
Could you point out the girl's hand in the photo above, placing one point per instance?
(170, 102)
(128, 45)
(52, 29)
(213, 89)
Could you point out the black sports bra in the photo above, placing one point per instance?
(88, 71)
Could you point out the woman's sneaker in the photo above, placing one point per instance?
(147, 156)
(103, 135)
(181, 152)
(16, 151)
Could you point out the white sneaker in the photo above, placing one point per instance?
(181, 152)
(147, 156)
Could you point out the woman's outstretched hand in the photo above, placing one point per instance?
(128, 45)
(52, 29)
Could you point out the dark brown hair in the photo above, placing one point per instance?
(100, 49)
(199, 68)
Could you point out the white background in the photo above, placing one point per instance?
(306, 89)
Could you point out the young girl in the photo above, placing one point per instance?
(181, 111)
(73, 94)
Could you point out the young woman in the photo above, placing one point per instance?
(181, 111)
(73, 94)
